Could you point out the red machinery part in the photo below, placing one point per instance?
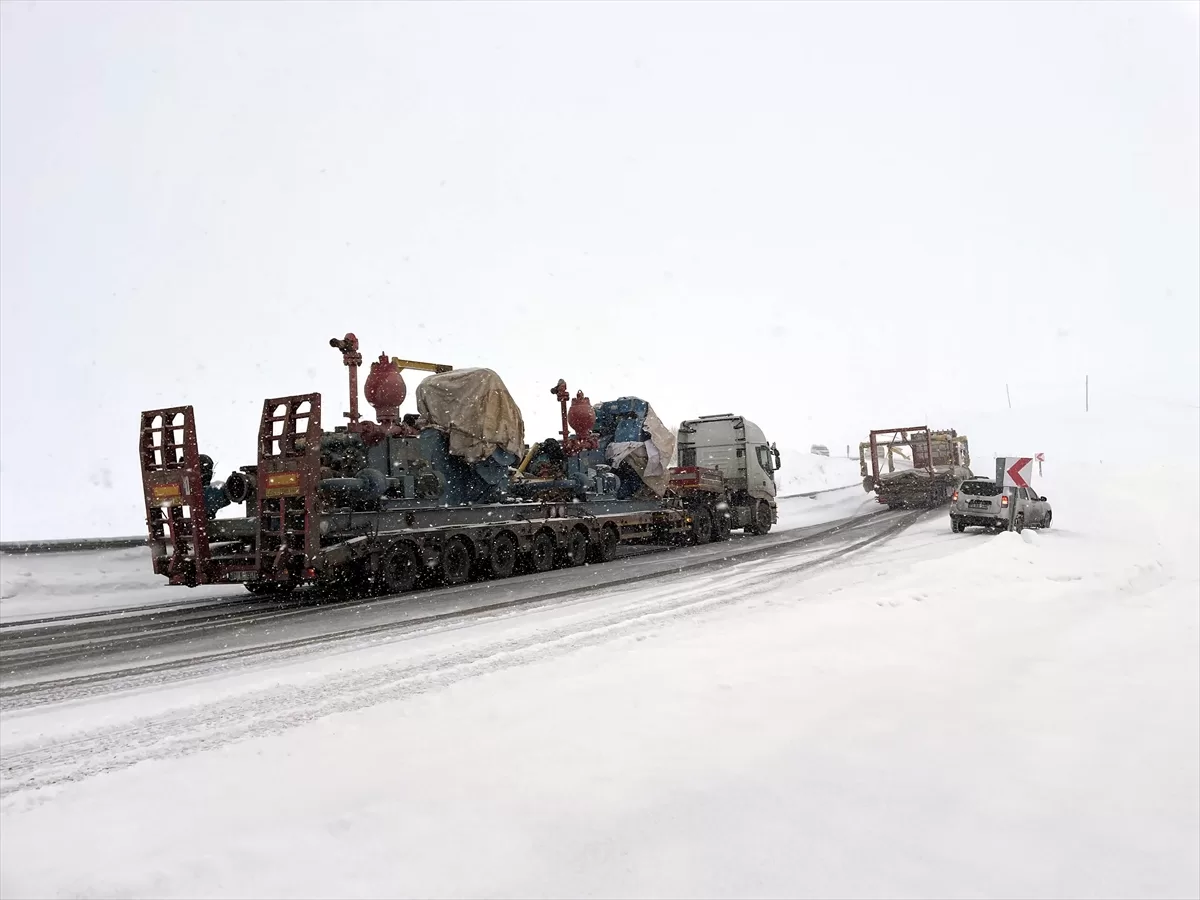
(385, 389)
(581, 416)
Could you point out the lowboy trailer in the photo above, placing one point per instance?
(447, 494)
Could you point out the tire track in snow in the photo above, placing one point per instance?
(48, 762)
(144, 674)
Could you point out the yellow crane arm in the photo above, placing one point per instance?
(436, 368)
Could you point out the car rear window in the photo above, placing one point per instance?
(980, 488)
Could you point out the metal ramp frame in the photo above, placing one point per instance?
(289, 472)
(182, 539)
(176, 519)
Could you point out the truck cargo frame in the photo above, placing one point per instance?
(940, 459)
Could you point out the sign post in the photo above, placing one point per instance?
(1013, 472)
(1041, 458)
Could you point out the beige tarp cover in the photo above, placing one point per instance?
(650, 459)
(475, 408)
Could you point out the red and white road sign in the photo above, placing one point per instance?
(1040, 457)
(1016, 471)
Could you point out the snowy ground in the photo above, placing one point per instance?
(802, 472)
(57, 584)
(799, 512)
(940, 715)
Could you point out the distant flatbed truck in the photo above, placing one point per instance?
(931, 464)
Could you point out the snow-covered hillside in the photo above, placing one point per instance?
(804, 472)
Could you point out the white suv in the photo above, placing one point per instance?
(982, 502)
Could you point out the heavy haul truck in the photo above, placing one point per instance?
(446, 494)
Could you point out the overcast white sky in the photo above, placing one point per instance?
(828, 217)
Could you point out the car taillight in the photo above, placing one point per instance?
(1004, 500)
(954, 497)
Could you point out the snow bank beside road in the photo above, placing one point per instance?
(945, 715)
(805, 472)
(799, 512)
(37, 585)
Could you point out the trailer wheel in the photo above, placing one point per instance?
(269, 588)
(761, 519)
(456, 562)
(504, 555)
(346, 582)
(576, 551)
(722, 526)
(702, 525)
(605, 549)
(400, 570)
(541, 552)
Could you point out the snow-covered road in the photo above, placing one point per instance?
(935, 715)
(71, 656)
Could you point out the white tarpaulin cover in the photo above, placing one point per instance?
(475, 409)
(650, 459)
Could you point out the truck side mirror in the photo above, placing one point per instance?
(775, 453)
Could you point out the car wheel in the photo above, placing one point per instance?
(1046, 521)
(702, 526)
(1019, 523)
(955, 525)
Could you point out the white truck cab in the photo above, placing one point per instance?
(739, 450)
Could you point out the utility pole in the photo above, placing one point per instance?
(1008, 395)
(1087, 399)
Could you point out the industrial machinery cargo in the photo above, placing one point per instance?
(448, 493)
(930, 464)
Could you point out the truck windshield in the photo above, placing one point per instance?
(979, 488)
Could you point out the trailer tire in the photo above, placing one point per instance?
(575, 551)
(605, 549)
(702, 525)
(503, 559)
(456, 562)
(270, 588)
(346, 582)
(399, 570)
(722, 527)
(760, 519)
(541, 552)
